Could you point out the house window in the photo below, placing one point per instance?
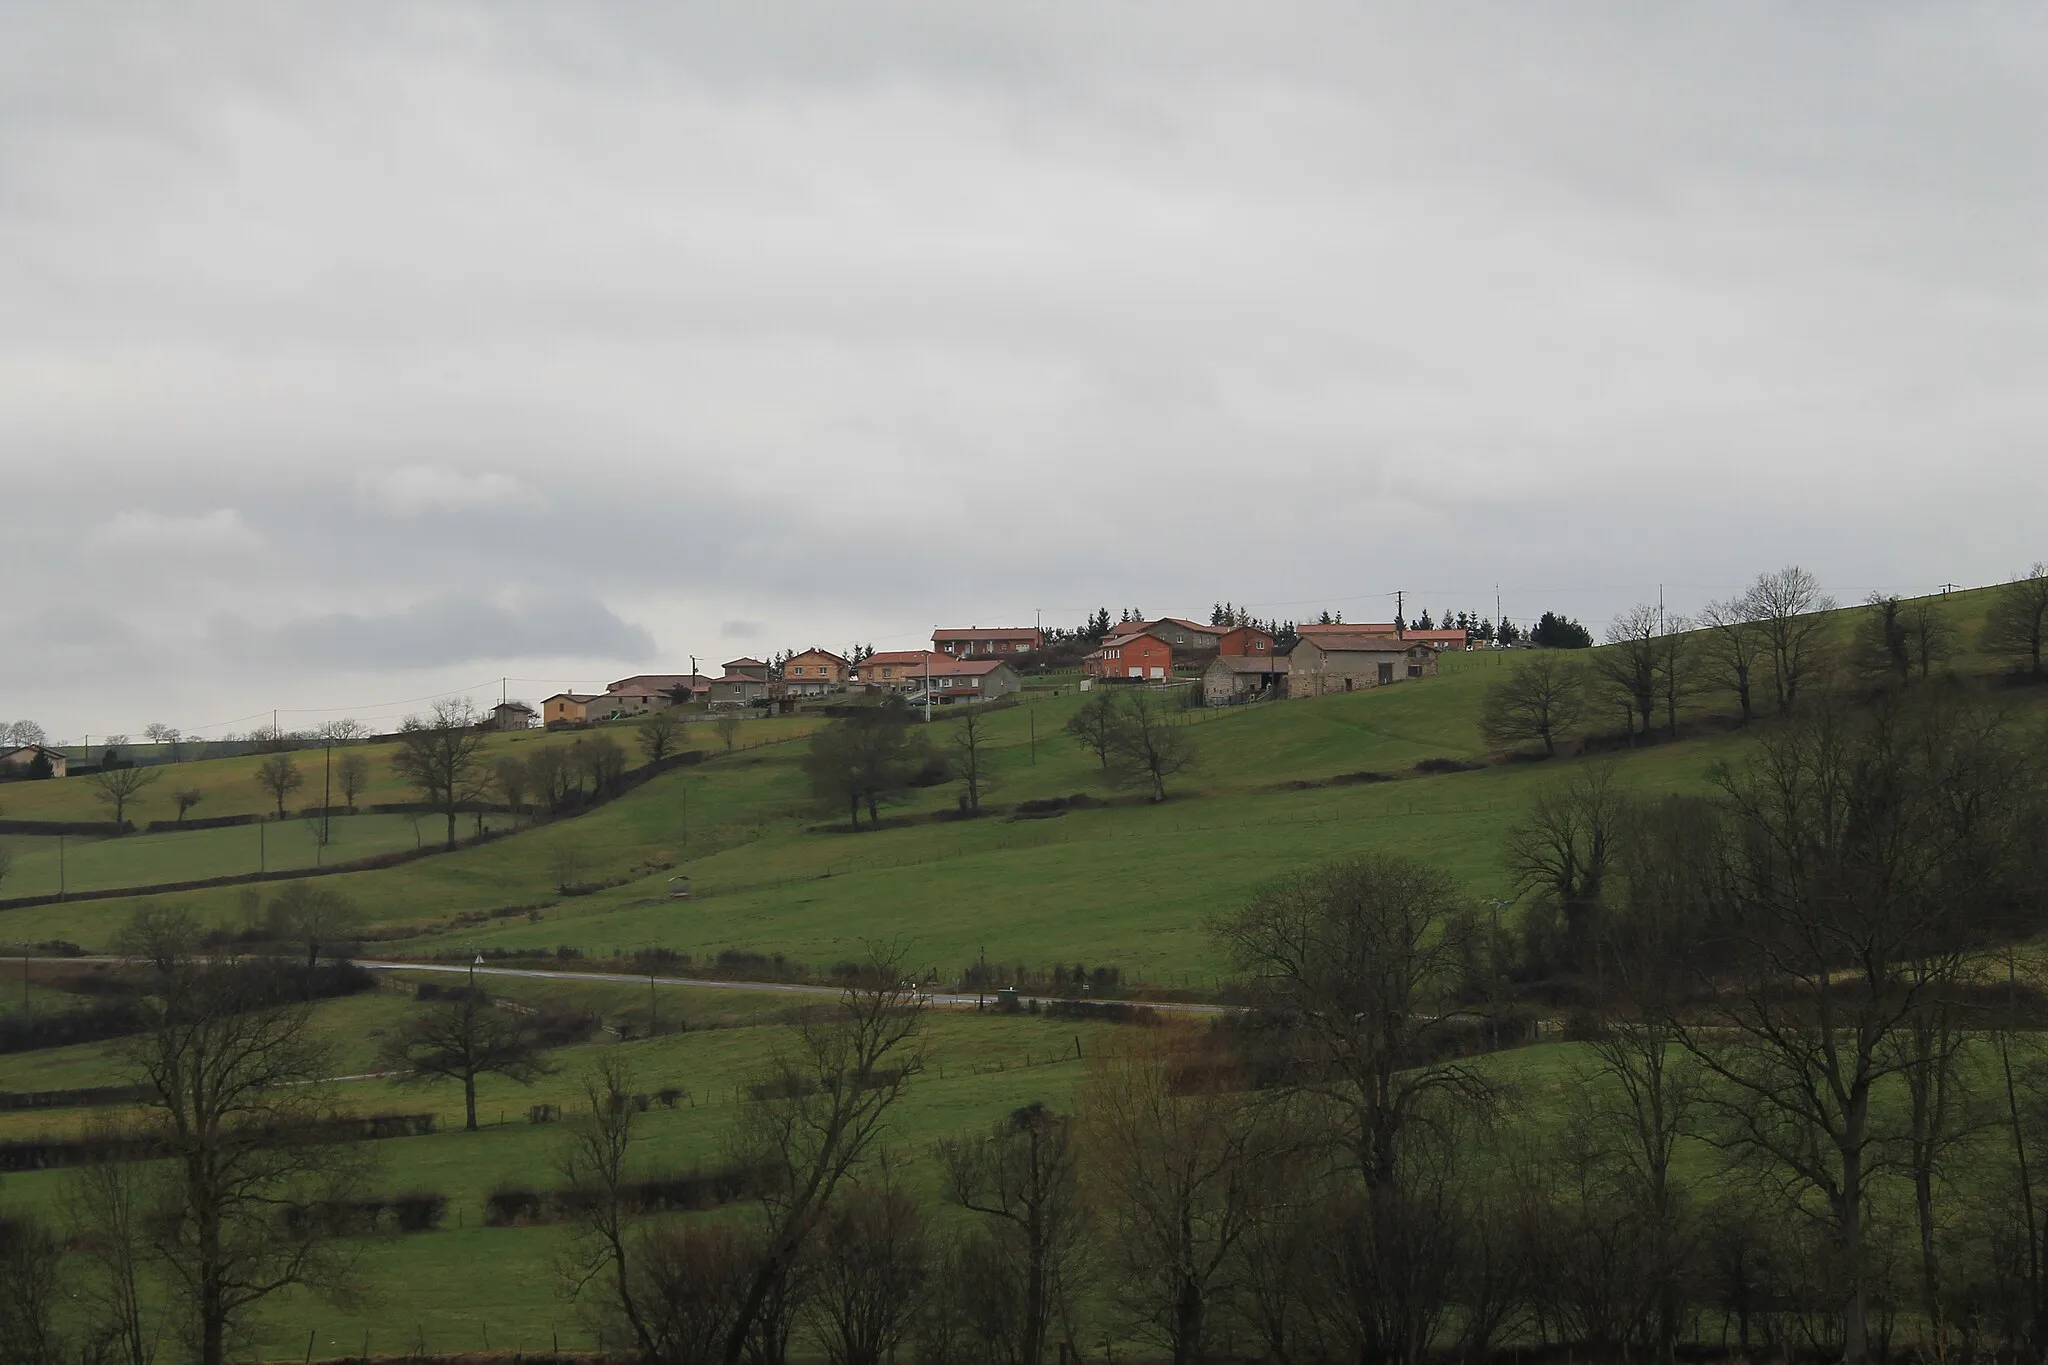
(1386, 673)
(1415, 670)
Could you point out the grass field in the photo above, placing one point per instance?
(457, 1283)
(1117, 882)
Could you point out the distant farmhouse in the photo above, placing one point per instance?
(943, 677)
(512, 715)
(982, 641)
(22, 761)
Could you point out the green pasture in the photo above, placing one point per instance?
(228, 785)
(455, 1283)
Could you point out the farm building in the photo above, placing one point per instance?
(512, 715)
(1233, 678)
(18, 762)
(978, 641)
(1320, 664)
(1137, 654)
(970, 679)
(568, 708)
(1248, 641)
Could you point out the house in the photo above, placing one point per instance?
(1324, 663)
(1138, 654)
(971, 641)
(1454, 638)
(569, 708)
(1354, 628)
(746, 681)
(899, 669)
(512, 715)
(1246, 641)
(814, 671)
(952, 680)
(1233, 678)
(665, 685)
(1442, 639)
(19, 761)
(1176, 631)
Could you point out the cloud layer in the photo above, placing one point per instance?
(432, 339)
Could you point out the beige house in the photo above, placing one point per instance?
(17, 761)
(1320, 664)
(814, 671)
(569, 708)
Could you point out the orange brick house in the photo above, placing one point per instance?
(1140, 654)
(1246, 642)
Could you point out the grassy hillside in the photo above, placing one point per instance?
(1119, 882)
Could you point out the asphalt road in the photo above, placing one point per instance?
(942, 999)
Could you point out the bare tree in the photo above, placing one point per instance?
(1359, 955)
(1678, 667)
(1542, 699)
(1147, 745)
(1182, 1179)
(971, 759)
(828, 1106)
(1930, 635)
(442, 757)
(1561, 853)
(602, 760)
(1866, 854)
(32, 1294)
(352, 776)
(875, 1253)
(6, 863)
(185, 798)
(279, 775)
(344, 731)
(313, 917)
(728, 727)
(1627, 667)
(22, 733)
(233, 1079)
(109, 1204)
(512, 778)
(2016, 625)
(592, 1163)
(660, 734)
(119, 787)
(1733, 650)
(1790, 611)
(1024, 1179)
(462, 1037)
(1094, 724)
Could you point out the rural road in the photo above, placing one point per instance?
(942, 999)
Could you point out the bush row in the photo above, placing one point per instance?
(46, 1154)
(685, 1192)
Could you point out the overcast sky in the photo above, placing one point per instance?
(350, 354)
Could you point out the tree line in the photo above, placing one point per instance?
(1767, 647)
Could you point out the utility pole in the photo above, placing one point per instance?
(928, 682)
(61, 886)
(1034, 735)
(326, 803)
(1400, 613)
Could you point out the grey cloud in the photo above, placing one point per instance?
(741, 630)
(450, 629)
(839, 321)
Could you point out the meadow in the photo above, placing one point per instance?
(1110, 881)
